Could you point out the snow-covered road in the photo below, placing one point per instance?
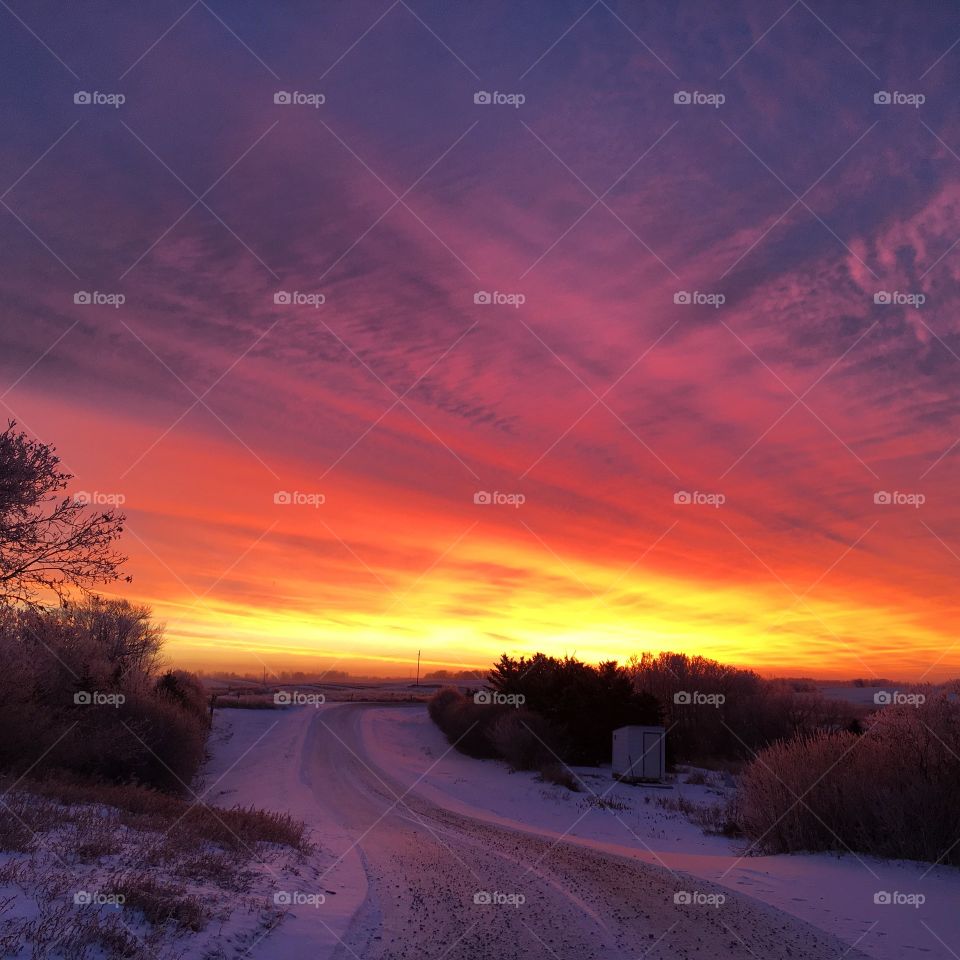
(441, 884)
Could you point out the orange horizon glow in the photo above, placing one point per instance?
(278, 588)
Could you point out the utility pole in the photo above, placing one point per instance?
(418, 668)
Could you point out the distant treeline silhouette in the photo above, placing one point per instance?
(545, 707)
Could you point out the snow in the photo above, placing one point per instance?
(259, 758)
(335, 770)
(834, 893)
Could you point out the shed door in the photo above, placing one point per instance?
(651, 756)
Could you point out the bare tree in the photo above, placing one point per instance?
(48, 543)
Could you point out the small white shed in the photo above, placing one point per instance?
(639, 754)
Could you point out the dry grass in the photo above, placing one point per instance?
(605, 803)
(143, 808)
(246, 702)
(712, 818)
(73, 935)
(164, 867)
(15, 835)
(159, 902)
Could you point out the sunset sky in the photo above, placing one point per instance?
(589, 393)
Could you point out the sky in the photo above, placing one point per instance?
(471, 328)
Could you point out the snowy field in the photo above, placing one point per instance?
(266, 758)
(835, 894)
(408, 833)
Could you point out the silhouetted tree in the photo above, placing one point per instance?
(581, 703)
(48, 543)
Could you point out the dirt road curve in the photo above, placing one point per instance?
(446, 886)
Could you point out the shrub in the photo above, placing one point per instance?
(442, 702)
(468, 725)
(80, 691)
(890, 792)
(168, 743)
(523, 739)
(186, 691)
